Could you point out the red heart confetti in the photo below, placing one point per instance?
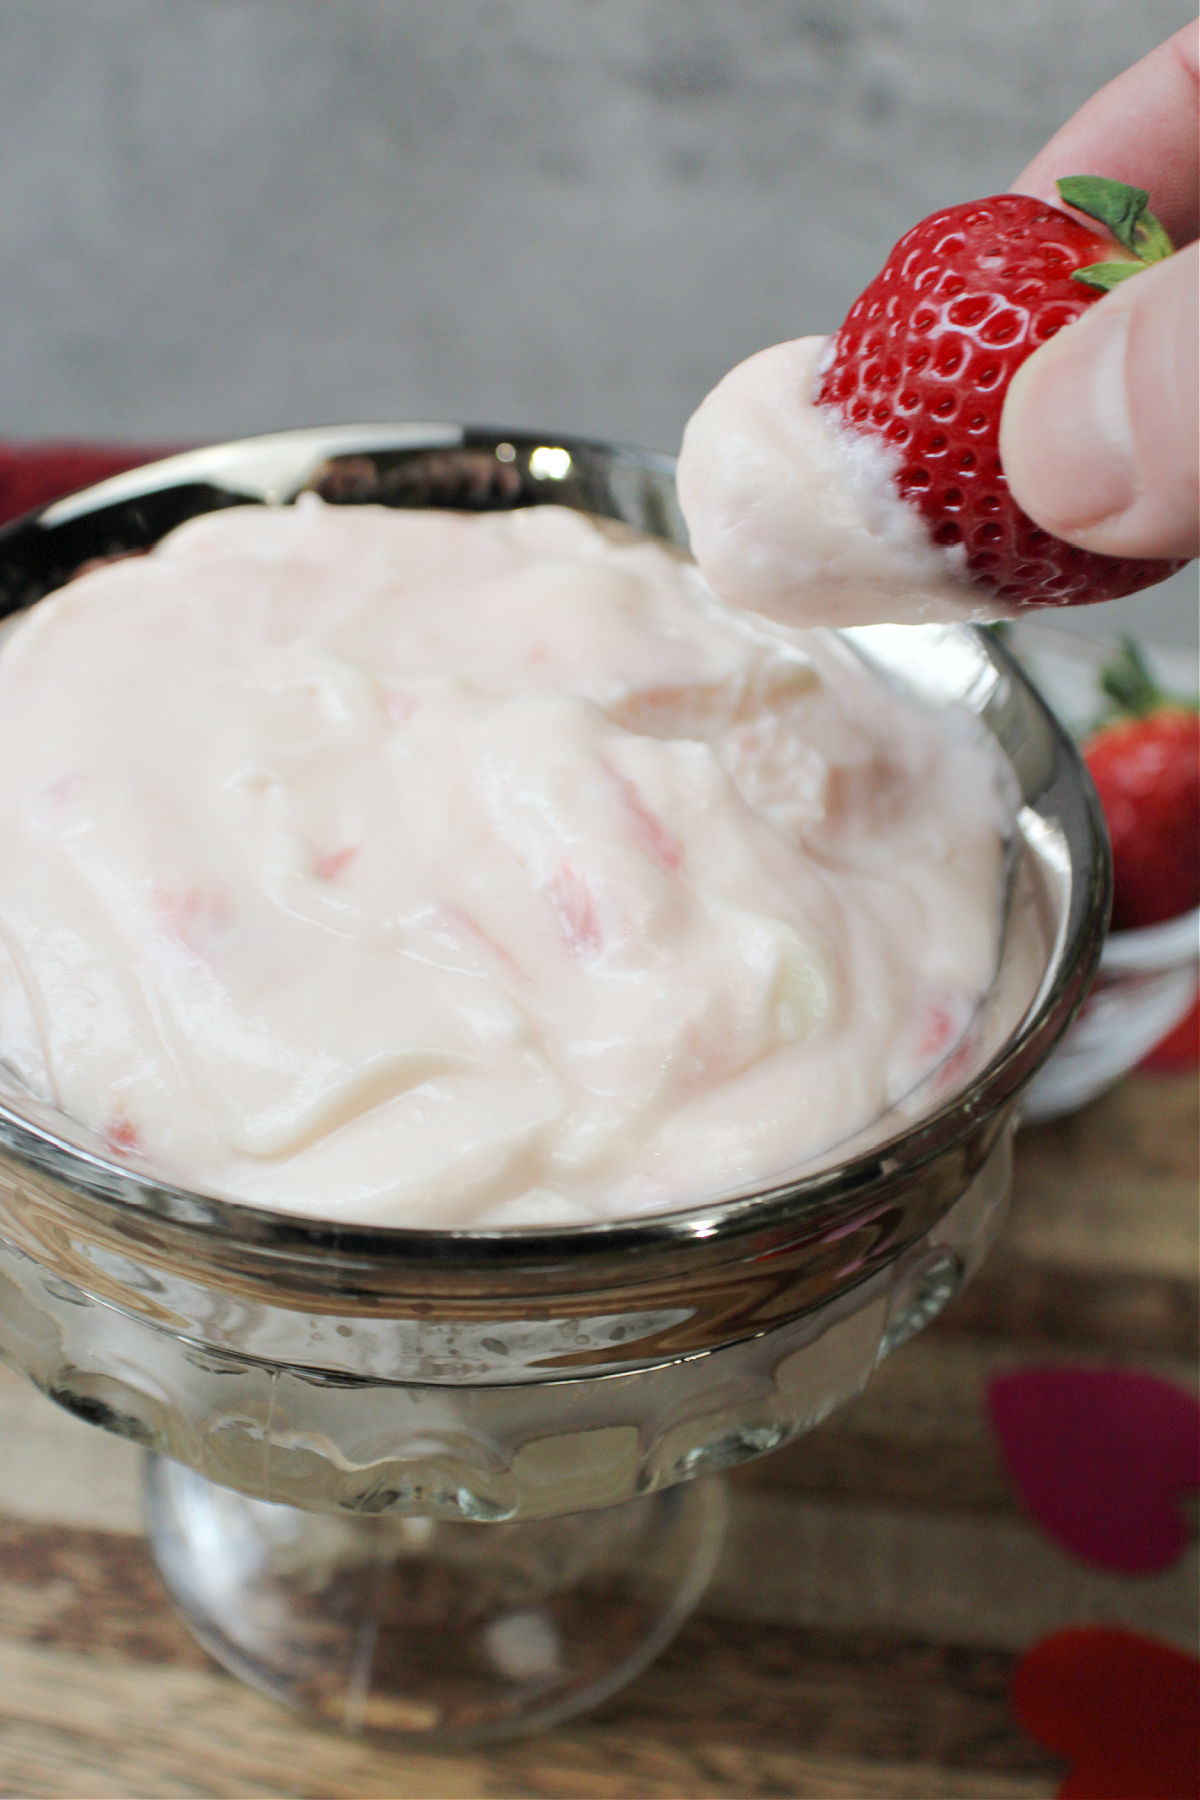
(1101, 1457)
(1123, 1709)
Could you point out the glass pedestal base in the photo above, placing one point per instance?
(441, 1630)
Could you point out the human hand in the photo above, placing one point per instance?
(1099, 433)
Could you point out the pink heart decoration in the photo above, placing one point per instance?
(1101, 1457)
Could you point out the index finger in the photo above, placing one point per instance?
(1141, 129)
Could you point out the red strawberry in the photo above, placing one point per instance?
(1146, 767)
(927, 351)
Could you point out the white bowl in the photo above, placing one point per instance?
(1148, 979)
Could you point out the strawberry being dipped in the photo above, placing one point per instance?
(857, 479)
(1146, 767)
(927, 351)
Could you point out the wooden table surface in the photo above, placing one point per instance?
(879, 1583)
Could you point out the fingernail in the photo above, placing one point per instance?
(1066, 438)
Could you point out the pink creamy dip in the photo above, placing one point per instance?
(433, 869)
(792, 517)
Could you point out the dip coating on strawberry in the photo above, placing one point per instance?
(1146, 767)
(927, 351)
(857, 479)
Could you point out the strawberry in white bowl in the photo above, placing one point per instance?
(1133, 711)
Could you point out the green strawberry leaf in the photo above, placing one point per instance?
(1128, 681)
(1123, 209)
(1107, 275)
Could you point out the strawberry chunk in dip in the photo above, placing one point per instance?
(437, 869)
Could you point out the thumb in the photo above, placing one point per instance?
(1098, 437)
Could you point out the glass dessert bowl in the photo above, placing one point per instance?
(444, 1482)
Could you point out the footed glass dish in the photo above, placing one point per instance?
(457, 1484)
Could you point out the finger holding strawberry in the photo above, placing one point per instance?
(1099, 437)
(860, 478)
(927, 352)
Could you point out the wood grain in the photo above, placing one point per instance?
(98, 1604)
(954, 1580)
(1113, 1188)
(1122, 1312)
(166, 1730)
(879, 1582)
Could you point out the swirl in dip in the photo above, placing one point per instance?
(438, 869)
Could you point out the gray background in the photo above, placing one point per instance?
(227, 216)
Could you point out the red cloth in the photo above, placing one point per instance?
(33, 475)
(1180, 1049)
